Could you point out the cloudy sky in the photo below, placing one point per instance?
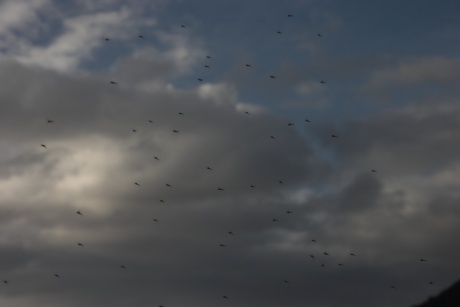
(187, 146)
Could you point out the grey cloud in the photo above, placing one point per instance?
(93, 118)
(389, 219)
(412, 81)
(437, 70)
(395, 140)
(362, 193)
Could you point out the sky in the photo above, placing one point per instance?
(181, 153)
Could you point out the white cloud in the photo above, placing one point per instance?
(21, 22)
(184, 51)
(75, 36)
(82, 35)
(220, 94)
(20, 14)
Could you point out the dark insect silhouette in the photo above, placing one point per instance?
(199, 79)
(206, 66)
(113, 82)
(252, 186)
(180, 113)
(5, 281)
(43, 145)
(319, 34)
(150, 121)
(207, 167)
(156, 158)
(225, 297)
(351, 254)
(222, 245)
(107, 39)
(79, 212)
(279, 32)
(290, 124)
(134, 130)
(271, 136)
(155, 220)
(286, 281)
(220, 189)
(80, 244)
(423, 260)
(374, 171)
(208, 57)
(272, 76)
(275, 220)
(393, 287)
(247, 113)
(57, 275)
(333, 135)
(280, 181)
(140, 36)
(122, 266)
(289, 211)
(49, 121)
(340, 264)
(312, 256)
(182, 26)
(162, 201)
(137, 184)
(230, 232)
(168, 185)
(325, 253)
(176, 131)
(289, 15)
(313, 240)
(248, 65)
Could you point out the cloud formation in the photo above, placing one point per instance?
(182, 191)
